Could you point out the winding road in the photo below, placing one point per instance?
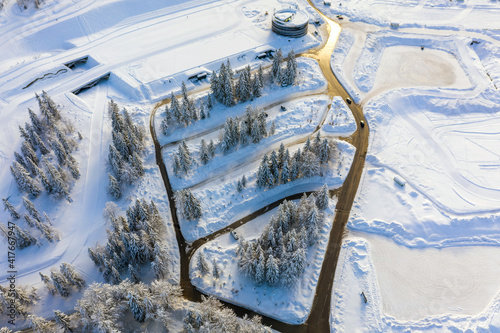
(319, 318)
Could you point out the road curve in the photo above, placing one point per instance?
(319, 317)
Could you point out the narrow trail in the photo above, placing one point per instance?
(319, 318)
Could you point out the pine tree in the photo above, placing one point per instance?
(48, 283)
(204, 153)
(281, 154)
(184, 157)
(192, 206)
(202, 112)
(38, 141)
(272, 130)
(176, 165)
(38, 324)
(211, 148)
(274, 167)
(308, 146)
(115, 276)
(324, 151)
(73, 167)
(239, 186)
(175, 108)
(309, 164)
(8, 206)
(73, 278)
(272, 271)
(260, 76)
(285, 173)
(322, 197)
(295, 167)
(116, 118)
(35, 122)
(115, 161)
(30, 207)
(202, 264)
(19, 159)
(63, 321)
(137, 164)
(164, 126)
(244, 181)
(62, 140)
(29, 152)
(255, 87)
(60, 152)
(291, 70)
(264, 174)
(215, 86)
(60, 283)
(135, 277)
(52, 107)
(260, 269)
(312, 223)
(276, 71)
(216, 271)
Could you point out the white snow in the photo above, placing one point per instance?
(339, 120)
(288, 304)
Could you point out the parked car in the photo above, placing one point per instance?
(283, 108)
(348, 100)
(362, 123)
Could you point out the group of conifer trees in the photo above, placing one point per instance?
(63, 280)
(46, 139)
(280, 167)
(185, 112)
(188, 204)
(278, 256)
(252, 127)
(228, 91)
(46, 162)
(125, 151)
(23, 297)
(136, 240)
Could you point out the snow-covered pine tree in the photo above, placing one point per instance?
(204, 153)
(184, 91)
(12, 211)
(116, 118)
(51, 106)
(39, 143)
(322, 197)
(184, 157)
(324, 151)
(276, 66)
(185, 116)
(255, 131)
(216, 270)
(309, 164)
(39, 324)
(48, 283)
(264, 174)
(260, 269)
(202, 264)
(285, 172)
(164, 126)
(63, 321)
(29, 221)
(272, 271)
(29, 152)
(60, 152)
(215, 87)
(135, 277)
(136, 163)
(176, 165)
(136, 306)
(60, 283)
(281, 154)
(35, 122)
(260, 76)
(30, 207)
(62, 139)
(19, 159)
(255, 87)
(211, 148)
(274, 166)
(115, 161)
(115, 277)
(175, 109)
(24, 134)
(312, 225)
(192, 206)
(272, 130)
(244, 181)
(121, 144)
(290, 72)
(73, 167)
(239, 186)
(308, 145)
(72, 276)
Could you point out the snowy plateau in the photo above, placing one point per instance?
(177, 166)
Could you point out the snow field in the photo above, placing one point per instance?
(300, 119)
(288, 304)
(222, 204)
(453, 288)
(339, 120)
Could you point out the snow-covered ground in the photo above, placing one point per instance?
(149, 48)
(219, 197)
(288, 304)
(339, 120)
(430, 97)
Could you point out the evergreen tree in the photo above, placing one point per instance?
(260, 269)
(202, 264)
(30, 207)
(136, 307)
(115, 276)
(38, 141)
(73, 167)
(12, 211)
(73, 278)
(291, 70)
(29, 152)
(137, 164)
(176, 165)
(204, 153)
(48, 283)
(60, 152)
(264, 176)
(309, 164)
(308, 146)
(324, 151)
(285, 173)
(192, 206)
(322, 197)
(244, 181)
(274, 166)
(63, 321)
(276, 71)
(164, 126)
(272, 130)
(272, 271)
(35, 122)
(281, 154)
(175, 109)
(135, 277)
(19, 159)
(216, 271)
(60, 283)
(312, 223)
(52, 107)
(211, 148)
(115, 161)
(215, 86)
(39, 324)
(239, 186)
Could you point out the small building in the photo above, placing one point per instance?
(400, 181)
(290, 23)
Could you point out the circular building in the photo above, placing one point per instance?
(290, 22)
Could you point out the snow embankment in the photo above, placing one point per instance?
(290, 304)
(339, 120)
